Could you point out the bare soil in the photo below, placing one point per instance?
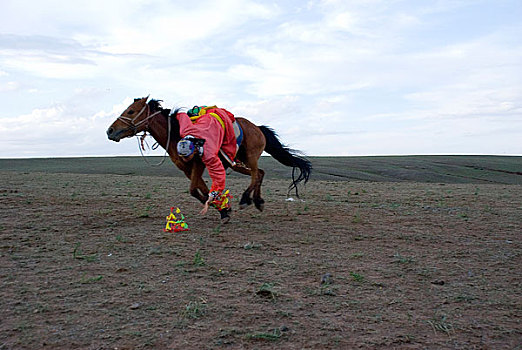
(85, 264)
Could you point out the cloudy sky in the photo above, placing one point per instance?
(347, 77)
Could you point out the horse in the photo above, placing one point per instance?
(150, 117)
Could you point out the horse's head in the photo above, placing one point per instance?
(132, 121)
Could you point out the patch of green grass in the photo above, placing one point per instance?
(77, 254)
(357, 277)
(356, 219)
(121, 239)
(274, 335)
(395, 205)
(88, 280)
(194, 309)
(198, 259)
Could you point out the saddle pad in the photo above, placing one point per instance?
(238, 132)
(239, 139)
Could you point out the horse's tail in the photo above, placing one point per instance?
(288, 157)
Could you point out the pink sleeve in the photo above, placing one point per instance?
(216, 171)
(184, 123)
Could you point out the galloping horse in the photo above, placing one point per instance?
(163, 126)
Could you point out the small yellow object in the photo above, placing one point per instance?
(178, 225)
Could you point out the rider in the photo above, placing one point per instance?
(207, 130)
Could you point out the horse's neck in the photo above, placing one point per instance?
(158, 128)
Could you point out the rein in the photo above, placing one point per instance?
(130, 122)
(134, 127)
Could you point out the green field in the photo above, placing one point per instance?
(430, 169)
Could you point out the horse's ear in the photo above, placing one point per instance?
(137, 99)
(146, 98)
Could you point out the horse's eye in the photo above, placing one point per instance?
(130, 112)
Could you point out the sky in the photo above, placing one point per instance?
(332, 77)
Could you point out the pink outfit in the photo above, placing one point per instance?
(229, 145)
(209, 128)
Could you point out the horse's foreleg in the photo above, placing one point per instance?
(197, 193)
(198, 187)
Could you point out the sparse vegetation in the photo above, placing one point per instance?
(194, 309)
(198, 259)
(273, 335)
(441, 324)
(414, 272)
(77, 254)
(357, 277)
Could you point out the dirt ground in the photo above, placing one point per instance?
(85, 264)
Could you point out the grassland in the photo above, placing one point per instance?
(427, 257)
(430, 169)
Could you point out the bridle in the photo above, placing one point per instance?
(134, 127)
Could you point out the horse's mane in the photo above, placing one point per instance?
(155, 105)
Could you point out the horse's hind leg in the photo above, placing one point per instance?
(256, 175)
(245, 198)
(253, 145)
(258, 201)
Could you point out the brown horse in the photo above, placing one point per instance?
(163, 126)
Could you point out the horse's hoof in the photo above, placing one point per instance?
(245, 201)
(260, 204)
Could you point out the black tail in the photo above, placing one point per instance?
(288, 157)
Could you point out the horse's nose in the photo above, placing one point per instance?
(110, 134)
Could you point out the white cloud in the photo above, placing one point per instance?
(356, 73)
(62, 130)
(9, 86)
